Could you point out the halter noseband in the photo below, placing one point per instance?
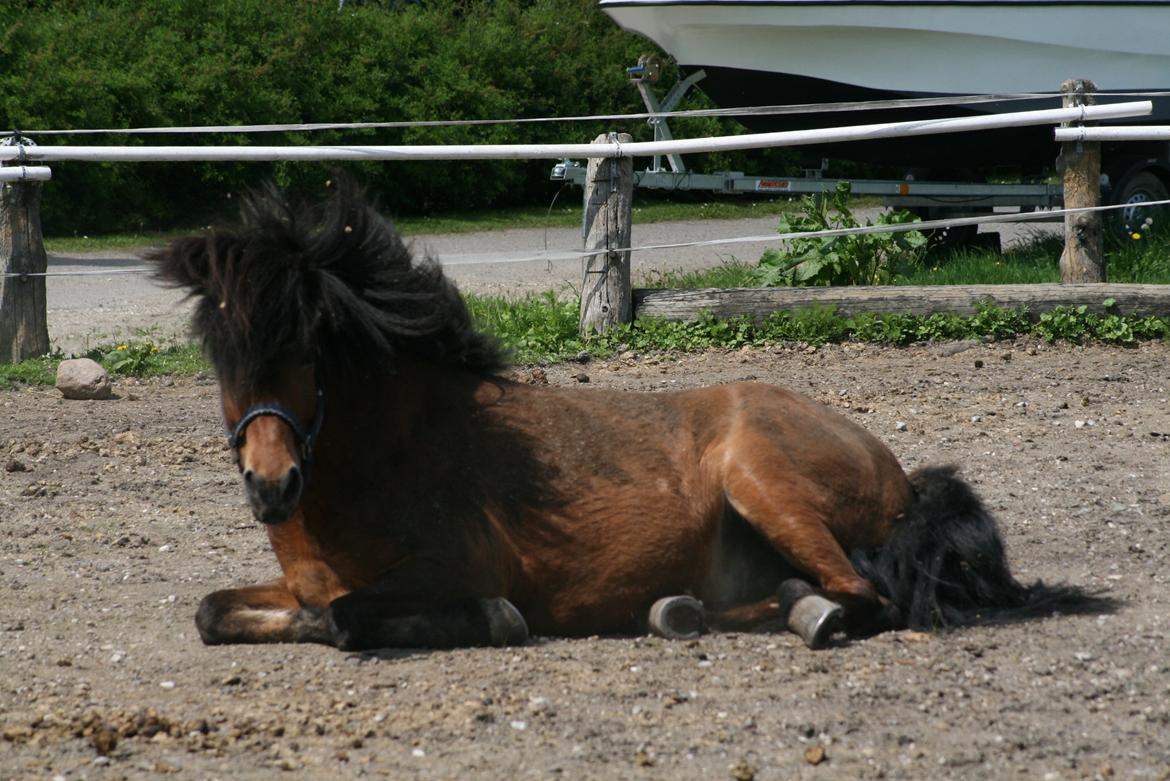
(305, 439)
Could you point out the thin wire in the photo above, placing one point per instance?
(742, 111)
(549, 256)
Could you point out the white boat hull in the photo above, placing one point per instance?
(765, 52)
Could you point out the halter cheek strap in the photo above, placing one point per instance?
(305, 439)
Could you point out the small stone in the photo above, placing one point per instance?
(15, 466)
(978, 364)
(642, 759)
(957, 347)
(581, 377)
(167, 684)
(976, 418)
(900, 425)
(815, 755)
(83, 378)
(105, 740)
(18, 734)
(742, 771)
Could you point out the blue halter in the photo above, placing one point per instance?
(305, 439)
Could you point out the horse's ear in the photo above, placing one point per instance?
(185, 263)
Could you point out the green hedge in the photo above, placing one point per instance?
(124, 63)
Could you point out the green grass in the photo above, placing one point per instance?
(1033, 261)
(133, 358)
(733, 273)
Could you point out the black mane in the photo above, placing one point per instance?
(332, 284)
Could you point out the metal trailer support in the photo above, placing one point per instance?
(960, 199)
(646, 74)
(976, 198)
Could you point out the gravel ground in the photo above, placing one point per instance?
(119, 516)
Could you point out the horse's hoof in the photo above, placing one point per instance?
(677, 618)
(507, 625)
(816, 619)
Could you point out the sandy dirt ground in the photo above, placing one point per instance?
(116, 517)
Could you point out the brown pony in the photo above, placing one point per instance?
(415, 497)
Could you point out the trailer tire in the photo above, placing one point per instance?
(1134, 190)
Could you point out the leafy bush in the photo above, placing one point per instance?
(122, 63)
(858, 259)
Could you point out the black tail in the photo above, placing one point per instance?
(945, 565)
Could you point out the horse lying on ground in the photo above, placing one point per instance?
(414, 497)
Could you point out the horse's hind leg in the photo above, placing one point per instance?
(265, 613)
(800, 535)
(796, 607)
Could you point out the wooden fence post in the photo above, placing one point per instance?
(1083, 259)
(606, 297)
(24, 331)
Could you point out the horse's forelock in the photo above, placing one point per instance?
(333, 282)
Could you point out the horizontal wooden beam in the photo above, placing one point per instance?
(758, 303)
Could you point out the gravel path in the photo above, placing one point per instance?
(84, 311)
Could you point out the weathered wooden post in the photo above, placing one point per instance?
(24, 331)
(606, 297)
(1083, 258)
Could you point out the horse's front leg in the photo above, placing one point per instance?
(265, 613)
(427, 600)
(371, 619)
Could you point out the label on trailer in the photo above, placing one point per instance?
(773, 184)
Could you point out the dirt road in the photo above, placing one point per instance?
(117, 517)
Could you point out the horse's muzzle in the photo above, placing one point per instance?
(273, 500)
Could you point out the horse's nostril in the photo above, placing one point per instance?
(293, 482)
(249, 475)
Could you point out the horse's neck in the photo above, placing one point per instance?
(394, 413)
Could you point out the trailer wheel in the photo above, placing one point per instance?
(1135, 190)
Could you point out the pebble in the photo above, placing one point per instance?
(815, 755)
(742, 771)
(900, 425)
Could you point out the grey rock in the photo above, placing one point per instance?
(83, 378)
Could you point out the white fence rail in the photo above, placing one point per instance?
(24, 270)
(128, 154)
